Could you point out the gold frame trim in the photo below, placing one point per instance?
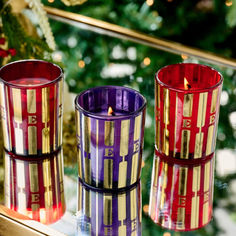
(117, 31)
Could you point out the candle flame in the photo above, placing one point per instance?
(110, 112)
(186, 84)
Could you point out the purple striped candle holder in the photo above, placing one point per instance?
(104, 213)
(110, 146)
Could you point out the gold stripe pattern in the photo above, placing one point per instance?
(55, 118)
(32, 140)
(137, 132)
(79, 162)
(80, 196)
(77, 118)
(124, 137)
(122, 174)
(154, 187)
(195, 198)
(183, 175)
(200, 123)
(45, 105)
(133, 211)
(134, 170)
(157, 110)
(188, 105)
(214, 100)
(4, 118)
(47, 183)
(210, 141)
(33, 174)
(7, 179)
(109, 133)
(32, 130)
(165, 147)
(19, 145)
(20, 170)
(86, 124)
(87, 205)
(172, 193)
(163, 186)
(60, 102)
(87, 170)
(17, 105)
(155, 171)
(12, 184)
(108, 173)
(198, 145)
(31, 101)
(124, 145)
(185, 144)
(122, 214)
(207, 174)
(86, 133)
(176, 111)
(166, 106)
(45, 120)
(61, 178)
(202, 109)
(107, 210)
(8, 115)
(56, 179)
(137, 129)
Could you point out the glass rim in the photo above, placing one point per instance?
(192, 90)
(106, 117)
(34, 86)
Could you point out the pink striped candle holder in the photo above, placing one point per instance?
(31, 107)
(187, 99)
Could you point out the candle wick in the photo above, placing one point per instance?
(189, 86)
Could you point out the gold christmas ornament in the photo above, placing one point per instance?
(73, 2)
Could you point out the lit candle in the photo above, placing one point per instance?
(110, 142)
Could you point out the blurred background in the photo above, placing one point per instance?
(90, 59)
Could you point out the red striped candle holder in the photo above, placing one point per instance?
(31, 107)
(181, 192)
(35, 187)
(187, 98)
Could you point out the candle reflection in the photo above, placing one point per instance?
(181, 195)
(35, 187)
(104, 213)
